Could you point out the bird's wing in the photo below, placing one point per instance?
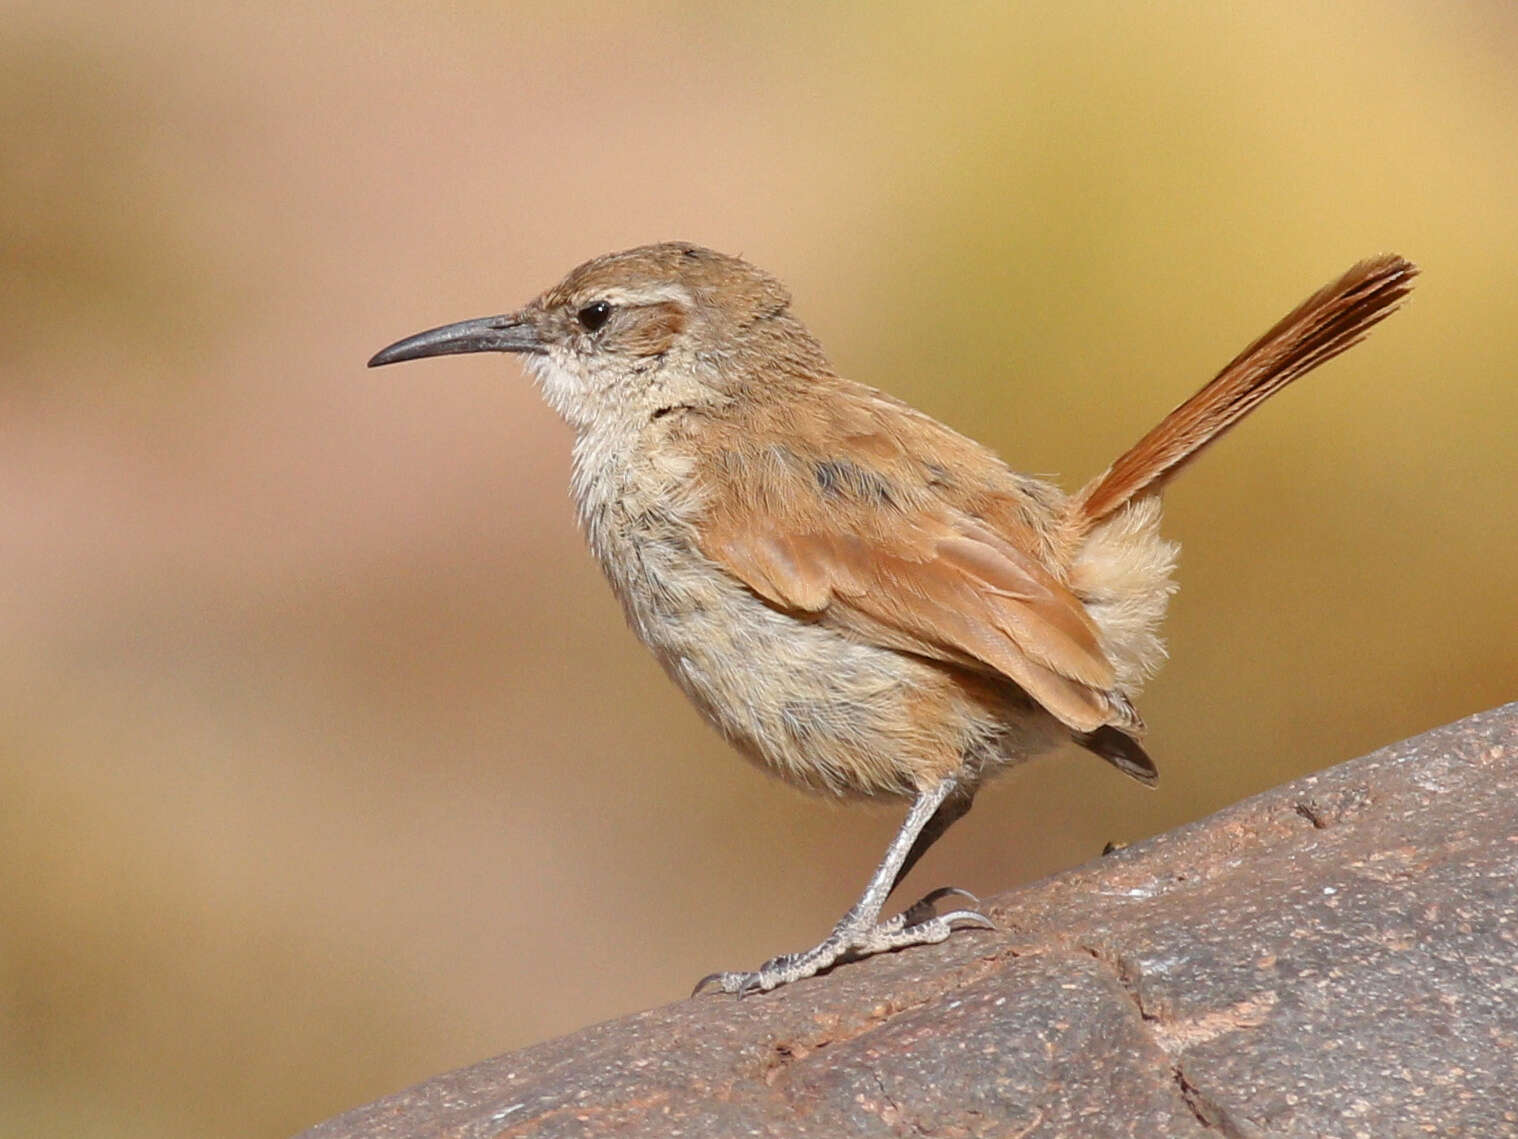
(838, 537)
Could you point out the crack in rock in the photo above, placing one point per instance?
(1174, 1037)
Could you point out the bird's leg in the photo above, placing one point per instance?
(860, 932)
(953, 807)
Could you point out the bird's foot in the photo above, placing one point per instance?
(918, 924)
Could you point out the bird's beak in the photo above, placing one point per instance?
(509, 333)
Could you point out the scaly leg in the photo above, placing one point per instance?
(953, 808)
(861, 933)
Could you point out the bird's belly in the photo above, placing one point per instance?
(821, 709)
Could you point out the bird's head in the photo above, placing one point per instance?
(631, 333)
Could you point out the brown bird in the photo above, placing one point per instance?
(861, 599)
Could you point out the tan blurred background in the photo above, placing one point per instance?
(328, 763)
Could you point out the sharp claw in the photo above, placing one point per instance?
(968, 918)
(946, 892)
(923, 910)
(738, 984)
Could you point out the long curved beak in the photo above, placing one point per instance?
(508, 333)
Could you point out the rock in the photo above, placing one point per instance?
(1338, 956)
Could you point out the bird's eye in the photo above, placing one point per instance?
(593, 316)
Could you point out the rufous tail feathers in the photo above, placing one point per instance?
(1332, 320)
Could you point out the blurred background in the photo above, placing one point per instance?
(327, 762)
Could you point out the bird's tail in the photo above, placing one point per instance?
(1332, 320)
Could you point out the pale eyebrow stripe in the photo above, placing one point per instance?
(650, 295)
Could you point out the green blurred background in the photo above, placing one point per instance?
(328, 762)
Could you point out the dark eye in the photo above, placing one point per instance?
(593, 316)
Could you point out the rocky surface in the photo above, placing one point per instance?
(1336, 957)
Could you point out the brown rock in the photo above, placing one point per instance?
(1338, 956)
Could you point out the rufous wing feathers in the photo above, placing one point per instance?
(931, 582)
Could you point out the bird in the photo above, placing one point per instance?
(862, 600)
